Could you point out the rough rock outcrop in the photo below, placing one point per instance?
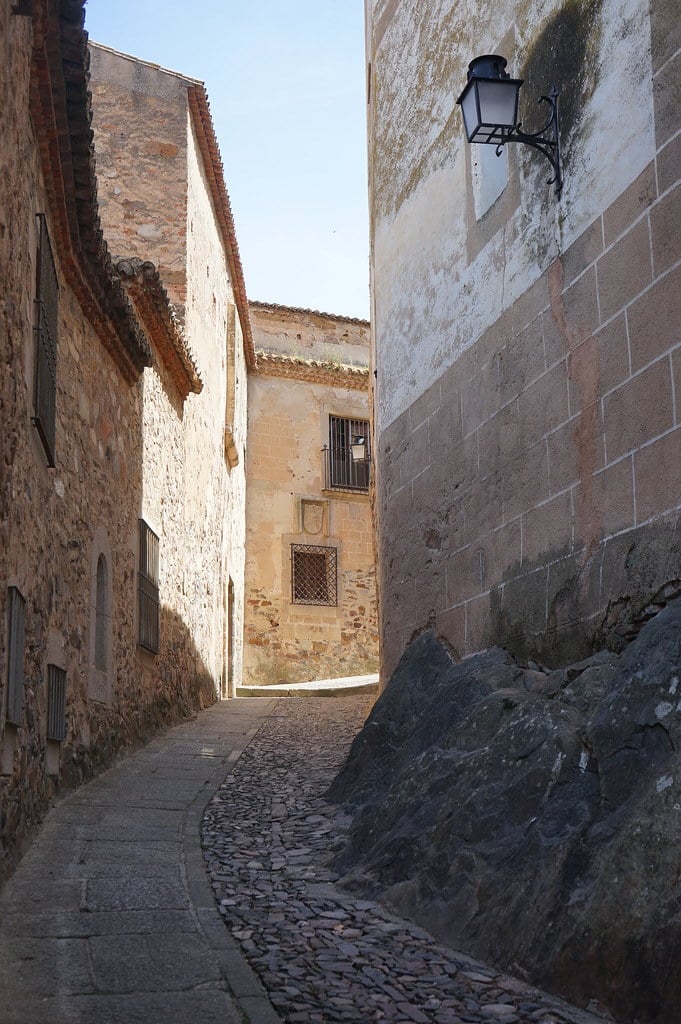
(530, 817)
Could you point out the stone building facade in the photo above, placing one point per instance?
(310, 578)
(163, 199)
(528, 426)
(122, 396)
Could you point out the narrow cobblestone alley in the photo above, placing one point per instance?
(323, 954)
(110, 918)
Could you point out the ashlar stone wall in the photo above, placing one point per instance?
(528, 350)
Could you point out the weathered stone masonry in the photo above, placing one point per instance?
(143, 389)
(528, 416)
(164, 199)
(50, 516)
(310, 366)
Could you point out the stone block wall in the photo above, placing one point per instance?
(529, 490)
(290, 400)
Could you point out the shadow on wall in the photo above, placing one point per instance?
(555, 614)
(174, 687)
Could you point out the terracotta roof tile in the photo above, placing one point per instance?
(208, 144)
(61, 109)
(143, 283)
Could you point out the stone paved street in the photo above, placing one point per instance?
(109, 918)
(323, 954)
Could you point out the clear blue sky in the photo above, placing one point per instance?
(286, 83)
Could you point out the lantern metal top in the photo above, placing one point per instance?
(488, 65)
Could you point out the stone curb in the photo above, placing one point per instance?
(246, 989)
(339, 691)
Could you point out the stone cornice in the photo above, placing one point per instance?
(143, 283)
(62, 115)
(314, 371)
(208, 145)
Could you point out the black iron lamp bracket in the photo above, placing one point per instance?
(546, 140)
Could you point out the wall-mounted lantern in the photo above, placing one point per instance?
(489, 104)
(358, 448)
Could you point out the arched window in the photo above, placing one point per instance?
(102, 614)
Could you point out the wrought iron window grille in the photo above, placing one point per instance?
(314, 574)
(45, 329)
(56, 703)
(341, 471)
(148, 590)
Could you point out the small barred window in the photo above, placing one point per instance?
(56, 703)
(314, 574)
(148, 592)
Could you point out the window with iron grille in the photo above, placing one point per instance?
(342, 472)
(16, 618)
(56, 703)
(149, 604)
(46, 318)
(313, 574)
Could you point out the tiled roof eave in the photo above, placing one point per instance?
(142, 281)
(208, 145)
(62, 114)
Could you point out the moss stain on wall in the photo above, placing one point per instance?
(565, 52)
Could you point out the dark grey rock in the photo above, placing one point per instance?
(532, 818)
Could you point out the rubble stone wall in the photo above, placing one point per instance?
(528, 350)
(52, 518)
(140, 120)
(158, 205)
(215, 493)
(309, 334)
(122, 452)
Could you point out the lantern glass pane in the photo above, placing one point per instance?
(498, 102)
(469, 107)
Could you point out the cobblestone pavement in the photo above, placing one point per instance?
(325, 955)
